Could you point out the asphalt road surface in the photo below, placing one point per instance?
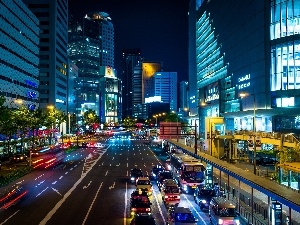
(92, 188)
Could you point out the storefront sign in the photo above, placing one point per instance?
(243, 82)
(212, 92)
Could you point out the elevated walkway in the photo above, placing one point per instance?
(273, 190)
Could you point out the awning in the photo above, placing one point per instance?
(292, 166)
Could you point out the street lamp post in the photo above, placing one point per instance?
(196, 145)
(69, 122)
(254, 129)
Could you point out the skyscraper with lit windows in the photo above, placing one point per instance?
(53, 42)
(91, 45)
(257, 55)
(19, 60)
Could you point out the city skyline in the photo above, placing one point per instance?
(161, 38)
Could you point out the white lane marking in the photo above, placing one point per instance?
(127, 165)
(159, 208)
(42, 191)
(58, 204)
(113, 186)
(56, 191)
(40, 183)
(54, 182)
(39, 177)
(106, 173)
(9, 217)
(61, 177)
(86, 216)
(112, 158)
(66, 172)
(195, 209)
(124, 215)
(86, 186)
(71, 168)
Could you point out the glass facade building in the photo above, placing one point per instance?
(91, 45)
(53, 43)
(19, 59)
(248, 47)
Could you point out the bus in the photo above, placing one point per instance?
(188, 171)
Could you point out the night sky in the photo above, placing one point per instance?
(158, 27)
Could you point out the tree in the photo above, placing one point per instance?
(90, 118)
(171, 117)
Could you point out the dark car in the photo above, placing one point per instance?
(140, 203)
(155, 171)
(163, 175)
(265, 161)
(203, 195)
(19, 158)
(143, 220)
(84, 144)
(135, 173)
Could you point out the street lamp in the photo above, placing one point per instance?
(242, 95)
(69, 122)
(155, 116)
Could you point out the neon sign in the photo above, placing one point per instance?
(244, 82)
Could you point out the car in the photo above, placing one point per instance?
(163, 175)
(203, 196)
(135, 173)
(19, 158)
(143, 220)
(155, 170)
(170, 192)
(143, 183)
(182, 216)
(140, 203)
(84, 144)
(264, 161)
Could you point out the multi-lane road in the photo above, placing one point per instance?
(92, 187)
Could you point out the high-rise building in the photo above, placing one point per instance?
(183, 95)
(165, 86)
(91, 45)
(131, 79)
(137, 97)
(53, 41)
(193, 102)
(149, 69)
(110, 97)
(258, 56)
(19, 61)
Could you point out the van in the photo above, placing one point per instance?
(170, 192)
(222, 211)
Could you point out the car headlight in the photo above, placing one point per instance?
(185, 187)
(220, 221)
(132, 178)
(203, 201)
(237, 222)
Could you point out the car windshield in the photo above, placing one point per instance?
(193, 176)
(226, 212)
(136, 173)
(184, 218)
(166, 176)
(207, 193)
(143, 182)
(174, 190)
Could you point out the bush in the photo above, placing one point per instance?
(14, 175)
